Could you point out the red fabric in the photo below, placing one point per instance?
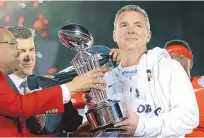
(180, 50)
(199, 131)
(78, 101)
(15, 105)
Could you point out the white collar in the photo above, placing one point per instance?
(17, 80)
(130, 68)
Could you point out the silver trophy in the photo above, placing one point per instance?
(104, 112)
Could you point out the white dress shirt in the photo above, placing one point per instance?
(65, 90)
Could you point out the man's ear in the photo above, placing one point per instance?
(114, 36)
(149, 36)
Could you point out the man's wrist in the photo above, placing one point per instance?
(71, 88)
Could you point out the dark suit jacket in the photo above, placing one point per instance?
(55, 123)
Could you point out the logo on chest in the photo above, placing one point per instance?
(148, 109)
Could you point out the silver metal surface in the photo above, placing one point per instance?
(106, 114)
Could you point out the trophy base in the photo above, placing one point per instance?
(105, 114)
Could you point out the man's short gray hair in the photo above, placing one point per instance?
(132, 8)
(22, 32)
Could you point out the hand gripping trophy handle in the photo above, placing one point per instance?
(104, 112)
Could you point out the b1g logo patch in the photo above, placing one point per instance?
(201, 81)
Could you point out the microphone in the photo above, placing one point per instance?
(33, 83)
(69, 73)
(103, 54)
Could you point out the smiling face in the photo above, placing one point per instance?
(131, 31)
(26, 57)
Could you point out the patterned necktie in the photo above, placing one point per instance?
(23, 86)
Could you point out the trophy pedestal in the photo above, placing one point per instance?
(105, 114)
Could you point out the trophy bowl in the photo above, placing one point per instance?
(75, 37)
(104, 112)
